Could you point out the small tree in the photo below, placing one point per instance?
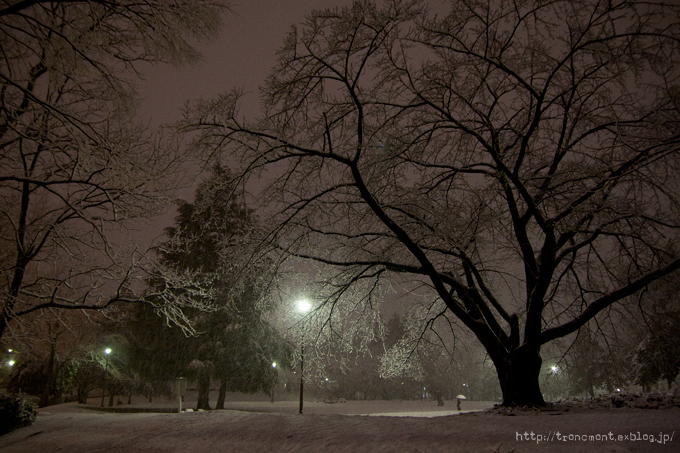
(587, 364)
(86, 377)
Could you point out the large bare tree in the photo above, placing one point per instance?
(74, 165)
(518, 158)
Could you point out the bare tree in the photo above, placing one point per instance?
(74, 165)
(518, 159)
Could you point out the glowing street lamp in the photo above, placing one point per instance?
(274, 384)
(107, 351)
(303, 307)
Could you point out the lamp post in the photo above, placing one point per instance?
(274, 383)
(107, 351)
(303, 307)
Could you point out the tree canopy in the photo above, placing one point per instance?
(517, 159)
(75, 166)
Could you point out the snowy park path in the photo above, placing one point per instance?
(72, 429)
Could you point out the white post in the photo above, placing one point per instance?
(181, 390)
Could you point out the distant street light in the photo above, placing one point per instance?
(303, 307)
(11, 362)
(107, 351)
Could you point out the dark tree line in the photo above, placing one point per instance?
(656, 357)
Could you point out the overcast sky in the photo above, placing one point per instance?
(241, 56)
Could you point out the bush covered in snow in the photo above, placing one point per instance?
(15, 412)
(654, 400)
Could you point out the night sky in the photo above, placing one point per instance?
(241, 56)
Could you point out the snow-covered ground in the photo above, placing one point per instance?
(324, 427)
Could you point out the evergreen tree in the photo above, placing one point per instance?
(234, 342)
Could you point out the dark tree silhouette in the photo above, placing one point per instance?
(519, 158)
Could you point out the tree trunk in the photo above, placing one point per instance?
(10, 301)
(111, 398)
(204, 391)
(82, 395)
(589, 384)
(222, 395)
(518, 373)
(50, 379)
(3, 320)
(21, 261)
